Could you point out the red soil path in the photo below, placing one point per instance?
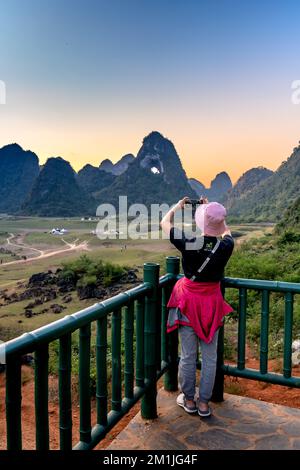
(261, 391)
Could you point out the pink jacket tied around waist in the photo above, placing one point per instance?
(202, 304)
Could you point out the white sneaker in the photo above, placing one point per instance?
(181, 401)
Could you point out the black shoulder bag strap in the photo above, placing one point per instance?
(207, 260)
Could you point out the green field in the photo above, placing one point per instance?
(48, 240)
(11, 224)
(34, 233)
(258, 254)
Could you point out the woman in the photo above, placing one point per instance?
(196, 304)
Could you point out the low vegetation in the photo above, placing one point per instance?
(270, 257)
(85, 272)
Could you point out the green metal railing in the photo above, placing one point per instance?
(149, 353)
(289, 290)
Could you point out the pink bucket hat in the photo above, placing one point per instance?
(210, 218)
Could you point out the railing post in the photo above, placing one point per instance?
(242, 328)
(101, 362)
(129, 367)
(151, 276)
(41, 397)
(218, 390)
(140, 313)
(171, 376)
(65, 397)
(288, 331)
(13, 403)
(116, 380)
(84, 383)
(264, 331)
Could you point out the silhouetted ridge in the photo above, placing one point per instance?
(56, 192)
(18, 171)
(92, 180)
(219, 187)
(119, 167)
(269, 199)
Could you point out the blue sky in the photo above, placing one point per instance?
(89, 79)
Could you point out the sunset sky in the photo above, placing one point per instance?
(88, 79)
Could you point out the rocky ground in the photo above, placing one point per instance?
(49, 286)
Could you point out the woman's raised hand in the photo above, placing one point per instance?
(180, 204)
(203, 200)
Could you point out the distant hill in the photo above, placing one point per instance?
(245, 184)
(268, 200)
(291, 218)
(18, 171)
(56, 192)
(118, 168)
(154, 176)
(92, 180)
(197, 186)
(219, 187)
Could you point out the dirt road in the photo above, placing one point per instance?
(75, 246)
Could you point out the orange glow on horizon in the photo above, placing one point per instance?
(202, 157)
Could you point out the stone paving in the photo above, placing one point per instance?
(238, 423)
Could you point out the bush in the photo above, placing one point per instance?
(87, 280)
(271, 258)
(85, 272)
(288, 237)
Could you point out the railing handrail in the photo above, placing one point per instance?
(156, 355)
(261, 284)
(27, 342)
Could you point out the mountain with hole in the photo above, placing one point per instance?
(156, 175)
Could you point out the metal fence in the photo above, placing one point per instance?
(139, 316)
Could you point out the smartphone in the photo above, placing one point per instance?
(194, 202)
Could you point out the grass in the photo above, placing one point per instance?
(12, 224)
(233, 387)
(12, 314)
(48, 240)
(261, 258)
(136, 254)
(5, 257)
(272, 258)
(14, 323)
(36, 239)
(3, 236)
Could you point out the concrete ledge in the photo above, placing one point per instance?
(238, 423)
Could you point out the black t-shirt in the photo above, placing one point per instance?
(195, 251)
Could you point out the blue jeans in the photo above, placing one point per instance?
(187, 364)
